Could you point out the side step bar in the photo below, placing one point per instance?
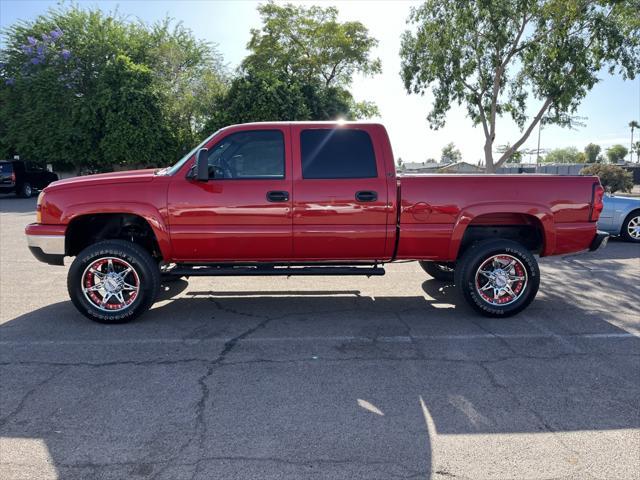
(233, 271)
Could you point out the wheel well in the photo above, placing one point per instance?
(89, 229)
(519, 227)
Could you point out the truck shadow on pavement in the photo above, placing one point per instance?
(320, 384)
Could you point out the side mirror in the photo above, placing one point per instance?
(202, 165)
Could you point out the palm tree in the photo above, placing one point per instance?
(633, 124)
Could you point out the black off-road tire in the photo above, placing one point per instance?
(145, 267)
(472, 260)
(443, 271)
(624, 231)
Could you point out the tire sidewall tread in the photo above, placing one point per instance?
(146, 268)
(470, 261)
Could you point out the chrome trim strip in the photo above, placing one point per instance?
(49, 244)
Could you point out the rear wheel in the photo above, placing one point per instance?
(631, 227)
(113, 281)
(498, 278)
(25, 190)
(439, 270)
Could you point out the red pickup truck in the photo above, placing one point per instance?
(306, 198)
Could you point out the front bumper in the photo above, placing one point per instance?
(46, 243)
(599, 241)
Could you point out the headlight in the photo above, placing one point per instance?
(39, 208)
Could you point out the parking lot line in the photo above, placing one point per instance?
(346, 338)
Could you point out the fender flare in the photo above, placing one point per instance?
(148, 212)
(542, 213)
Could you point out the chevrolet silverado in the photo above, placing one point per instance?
(306, 198)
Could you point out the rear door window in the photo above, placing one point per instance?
(337, 153)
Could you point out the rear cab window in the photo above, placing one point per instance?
(337, 153)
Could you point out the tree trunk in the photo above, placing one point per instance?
(489, 167)
(514, 148)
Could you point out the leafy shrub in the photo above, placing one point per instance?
(612, 177)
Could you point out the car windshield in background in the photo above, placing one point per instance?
(6, 167)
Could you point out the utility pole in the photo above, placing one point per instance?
(538, 153)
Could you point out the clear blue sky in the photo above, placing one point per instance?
(609, 107)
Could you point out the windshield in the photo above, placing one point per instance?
(178, 165)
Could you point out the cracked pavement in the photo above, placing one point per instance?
(325, 377)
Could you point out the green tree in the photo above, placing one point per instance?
(636, 148)
(632, 125)
(450, 154)
(263, 96)
(616, 153)
(190, 77)
(260, 97)
(87, 90)
(491, 56)
(564, 155)
(310, 44)
(592, 153)
(301, 65)
(612, 177)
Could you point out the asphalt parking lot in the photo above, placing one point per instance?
(309, 378)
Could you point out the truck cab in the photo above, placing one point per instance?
(328, 195)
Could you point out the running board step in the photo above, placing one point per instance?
(229, 271)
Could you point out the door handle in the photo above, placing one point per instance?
(278, 196)
(366, 196)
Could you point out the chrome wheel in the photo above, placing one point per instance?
(501, 279)
(110, 284)
(633, 227)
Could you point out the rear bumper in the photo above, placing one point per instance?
(46, 242)
(599, 241)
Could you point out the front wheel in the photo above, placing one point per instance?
(631, 227)
(113, 281)
(498, 278)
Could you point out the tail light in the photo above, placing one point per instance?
(39, 208)
(596, 202)
(13, 177)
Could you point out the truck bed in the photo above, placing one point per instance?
(436, 209)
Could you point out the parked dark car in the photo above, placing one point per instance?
(23, 179)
